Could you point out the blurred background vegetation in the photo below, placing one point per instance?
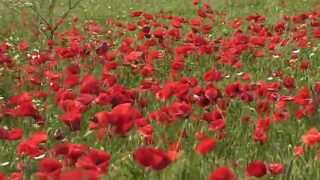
(18, 14)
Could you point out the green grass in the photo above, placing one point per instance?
(101, 10)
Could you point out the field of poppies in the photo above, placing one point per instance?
(159, 89)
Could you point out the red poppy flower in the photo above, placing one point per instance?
(23, 45)
(303, 96)
(21, 98)
(16, 176)
(123, 117)
(263, 107)
(212, 94)
(217, 125)
(196, 2)
(93, 27)
(213, 116)
(213, 75)
(72, 119)
(15, 134)
(71, 80)
(289, 82)
(166, 92)
(39, 137)
(305, 64)
(102, 49)
(96, 160)
(49, 168)
(73, 69)
(79, 174)
(317, 87)
(206, 145)
(260, 135)
(3, 133)
(71, 151)
(180, 110)
(2, 176)
(256, 168)
(72, 106)
(85, 99)
(316, 33)
(30, 146)
(177, 22)
(90, 85)
(136, 13)
(154, 158)
(131, 27)
(298, 151)
(195, 22)
(311, 138)
(174, 151)
(280, 116)
(276, 168)
(133, 56)
(25, 109)
(233, 90)
(222, 173)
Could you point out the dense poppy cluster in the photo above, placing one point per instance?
(135, 79)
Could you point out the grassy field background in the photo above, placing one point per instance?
(100, 10)
(191, 166)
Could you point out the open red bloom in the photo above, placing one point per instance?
(133, 56)
(196, 2)
(289, 82)
(316, 33)
(72, 119)
(212, 93)
(222, 173)
(30, 146)
(96, 160)
(39, 137)
(2, 176)
(23, 45)
(123, 117)
(71, 151)
(260, 135)
(212, 75)
(206, 145)
(154, 158)
(25, 109)
(79, 174)
(21, 98)
(49, 168)
(256, 168)
(89, 85)
(217, 125)
(311, 138)
(14, 134)
(276, 168)
(16, 176)
(180, 110)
